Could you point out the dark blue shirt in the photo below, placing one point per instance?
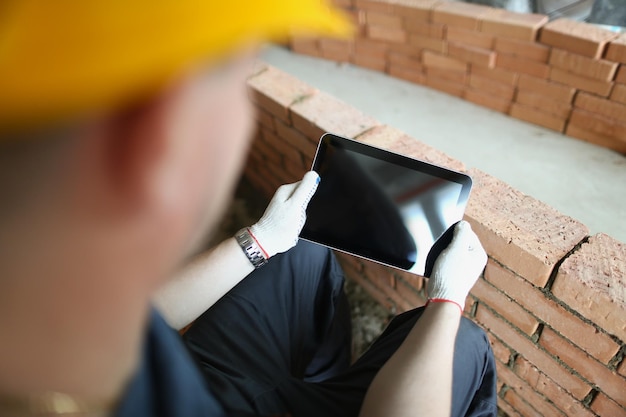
(167, 382)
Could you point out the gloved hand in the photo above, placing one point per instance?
(278, 229)
(457, 267)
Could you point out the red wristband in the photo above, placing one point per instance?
(257, 242)
(443, 300)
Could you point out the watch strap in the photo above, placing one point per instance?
(250, 248)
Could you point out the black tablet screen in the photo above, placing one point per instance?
(380, 205)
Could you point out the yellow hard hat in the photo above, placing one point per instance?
(62, 58)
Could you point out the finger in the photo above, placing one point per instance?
(285, 191)
(306, 188)
(462, 234)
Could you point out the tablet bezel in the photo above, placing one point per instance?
(414, 164)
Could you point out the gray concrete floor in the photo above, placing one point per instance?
(580, 180)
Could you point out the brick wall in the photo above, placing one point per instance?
(552, 298)
(564, 75)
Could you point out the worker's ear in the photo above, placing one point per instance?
(137, 155)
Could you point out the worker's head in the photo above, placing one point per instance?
(124, 125)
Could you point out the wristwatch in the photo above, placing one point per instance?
(251, 248)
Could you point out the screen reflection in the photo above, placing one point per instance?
(380, 210)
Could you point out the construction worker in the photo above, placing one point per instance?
(124, 126)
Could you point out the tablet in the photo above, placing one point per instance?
(380, 205)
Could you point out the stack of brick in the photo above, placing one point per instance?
(552, 299)
(563, 75)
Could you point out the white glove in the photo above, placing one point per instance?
(457, 267)
(278, 229)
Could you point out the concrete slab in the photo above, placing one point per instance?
(579, 179)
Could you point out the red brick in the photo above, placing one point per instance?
(549, 389)
(599, 69)
(281, 174)
(506, 24)
(609, 382)
(457, 77)
(382, 6)
(489, 86)
(280, 146)
(524, 407)
(394, 140)
(538, 117)
(294, 170)
(506, 307)
(470, 37)
(431, 30)
(525, 234)
(554, 91)
(454, 89)
(336, 49)
(473, 55)
(373, 63)
(414, 10)
(343, 3)
(541, 102)
(619, 93)
(412, 280)
(578, 37)
(295, 138)
(367, 285)
(498, 75)
(410, 294)
(412, 62)
(616, 51)
(602, 88)
(383, 20)
(591, 281)
(597, 344)
(268, 152)
(355, 262)
(382, 277)
(522, 65)
(305, 46)
(500, 351)
(274, 91)
(596, 123)
(540, 406)
(409, 74)
(595, 104)
(373, 49)
(431, 59)
(265, 119)
(621, 369)
(462, 15)
(596, 138)
(489, 101)
(380, 33)
(507, 408)
(604, 406)
(323, 113)
(423, 42)
(620, 77)
(532, 353)
(530, 50)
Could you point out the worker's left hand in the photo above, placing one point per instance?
(278, 229)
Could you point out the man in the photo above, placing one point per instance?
(123, 127)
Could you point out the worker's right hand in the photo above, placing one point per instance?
(457, 267)
(277, 231)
